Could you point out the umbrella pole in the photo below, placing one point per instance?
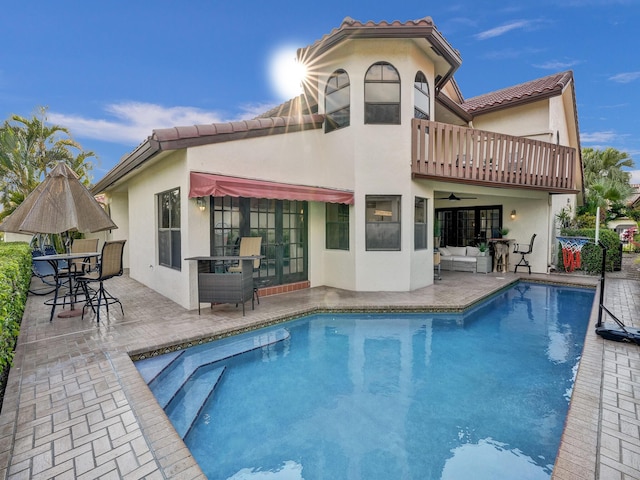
(67, 242)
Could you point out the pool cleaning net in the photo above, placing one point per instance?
(571, 251)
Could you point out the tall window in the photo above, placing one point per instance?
(421, 97)
(169, 228)
(420, 223)
(383, 222)
(337, 105)
(337, 226)
(382, 94)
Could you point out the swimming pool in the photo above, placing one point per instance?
(382, 396)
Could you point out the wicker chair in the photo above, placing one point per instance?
(249, 246)
(110, 266)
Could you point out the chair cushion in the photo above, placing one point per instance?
(444, 252)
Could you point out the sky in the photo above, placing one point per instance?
(113, 71)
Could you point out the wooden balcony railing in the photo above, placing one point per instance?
(450, 153)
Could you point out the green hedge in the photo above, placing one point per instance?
(15, 276)
(591, 254)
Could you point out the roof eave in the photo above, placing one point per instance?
(453, 107)
(351, 29)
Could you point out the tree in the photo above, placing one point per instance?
(606, 183)
(29, 148)
(606, 163)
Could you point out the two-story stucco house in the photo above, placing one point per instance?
(344, 182)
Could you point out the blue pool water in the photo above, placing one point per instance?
(480, 395)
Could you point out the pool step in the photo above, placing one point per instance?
(150, 368)
(184, 408)
(166, 384)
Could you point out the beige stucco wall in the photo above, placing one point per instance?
(380, 154)
(143, 223)
(530, 120)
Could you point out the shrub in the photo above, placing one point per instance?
(591, 255)
(15, 275)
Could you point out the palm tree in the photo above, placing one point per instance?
(29, 148)
(606, 183)
(608, 163)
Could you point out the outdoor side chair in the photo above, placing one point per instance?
(110, 266)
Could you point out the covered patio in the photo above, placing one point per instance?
(76, 407)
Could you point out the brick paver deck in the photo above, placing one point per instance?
(76, 407)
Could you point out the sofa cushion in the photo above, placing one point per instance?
(457, 251)
(473, 251)
(444, 252)
(465, 259)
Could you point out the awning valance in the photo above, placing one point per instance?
(205, 184)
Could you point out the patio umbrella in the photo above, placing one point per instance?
(59, 204)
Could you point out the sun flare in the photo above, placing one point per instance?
(287, 74)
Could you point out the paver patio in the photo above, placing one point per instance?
(76, 407)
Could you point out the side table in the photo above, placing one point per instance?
(483, 264)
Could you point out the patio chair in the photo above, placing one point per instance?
(79, 266)
(47, 280)
(110, 266)
(523, 249)
(249, 246)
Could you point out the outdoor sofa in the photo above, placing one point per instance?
(461, 259)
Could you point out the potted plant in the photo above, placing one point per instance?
(504, 232)
(483, 247)
(436, 233)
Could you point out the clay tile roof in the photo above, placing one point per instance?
(350, 28)
(522, 93)
(181, 137)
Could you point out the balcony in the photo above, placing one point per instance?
(445, 152)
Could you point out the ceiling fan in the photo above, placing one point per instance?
(454, 198)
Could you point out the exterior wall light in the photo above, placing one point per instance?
(202, 204)
(513, 214)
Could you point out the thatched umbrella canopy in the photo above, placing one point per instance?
(59, 204)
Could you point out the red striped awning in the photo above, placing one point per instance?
(206, 184)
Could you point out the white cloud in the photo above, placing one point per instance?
(132, 122)
(557, 65)
(252, 110)
(501, 30)
(626, 77)
(635, 177)
(600, 137)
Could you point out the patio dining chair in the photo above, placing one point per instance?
(79, 266)
(524, 249)
(249, 246)
(110, 266)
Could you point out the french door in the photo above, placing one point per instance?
(469, 225)
(282, 224)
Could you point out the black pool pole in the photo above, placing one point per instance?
(604, 262)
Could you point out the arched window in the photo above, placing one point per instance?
(421, 97)
(337, 107)
(382, 94)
